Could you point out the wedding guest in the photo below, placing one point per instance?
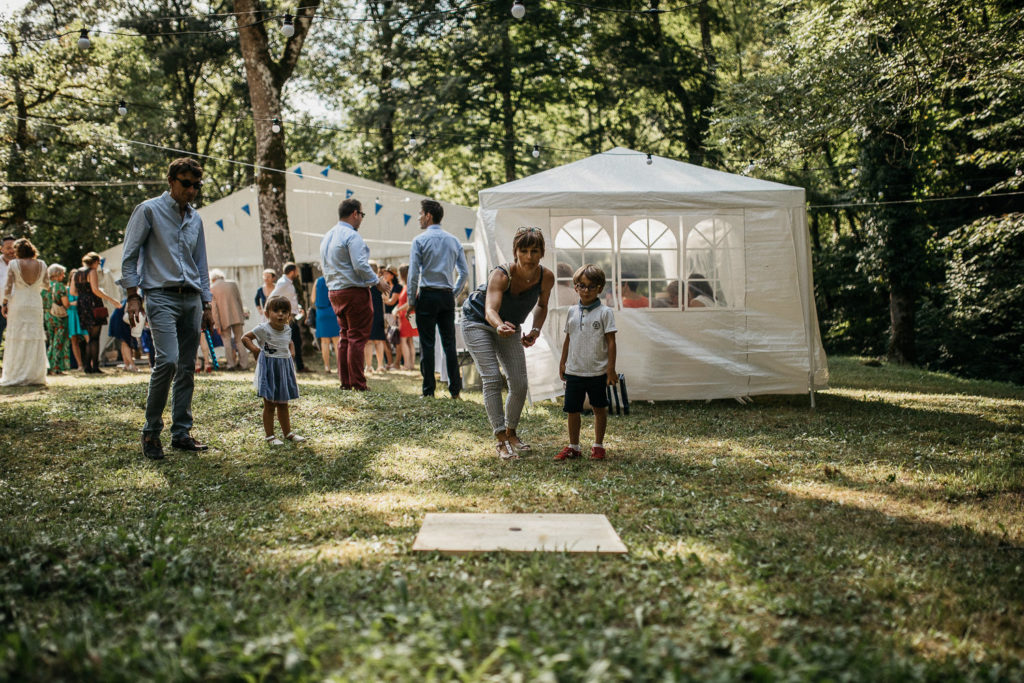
(58, 350)
(406, 331)
(85, 284)
(121, 331)
(229, 316)
(378, 331)
(269, 278)
(25, 352)
(433, 257)
(492, 319)
(346, 264)
(6, 256)
(165, 255)
(327, 329)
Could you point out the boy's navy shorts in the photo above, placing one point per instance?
(578, 387)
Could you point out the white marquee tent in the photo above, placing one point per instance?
(720, 264)
(314, 192)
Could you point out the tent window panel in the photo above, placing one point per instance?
(579, 241)
(666, 294)
(648, 262)
(701, 264)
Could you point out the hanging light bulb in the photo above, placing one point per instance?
(536, 151)
(275, 126)
(518, 9)
(412, 140)
(288, 29)
(650, 159)
(43, 149)
(83, 39)
(122, 107)
(1017, 173)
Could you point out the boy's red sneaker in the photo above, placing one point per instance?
(597, 453)
(567, 453)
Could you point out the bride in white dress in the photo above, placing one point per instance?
(25, 347)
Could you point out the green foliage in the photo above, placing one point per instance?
(983, 298)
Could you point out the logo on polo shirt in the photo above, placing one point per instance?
(597, 324)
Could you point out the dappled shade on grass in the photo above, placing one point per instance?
(880, 536)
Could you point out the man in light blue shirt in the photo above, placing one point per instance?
(435, 254)
(164, 254)
(345, 259)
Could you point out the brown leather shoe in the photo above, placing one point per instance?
(187, 443)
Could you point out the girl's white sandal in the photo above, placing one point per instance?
(273, 441)
(292, 436)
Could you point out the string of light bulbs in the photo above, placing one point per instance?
(535, 149)
(518, 11)
(348, 185)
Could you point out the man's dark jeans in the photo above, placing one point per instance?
(436, 308)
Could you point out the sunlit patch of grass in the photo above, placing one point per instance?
(877, 537)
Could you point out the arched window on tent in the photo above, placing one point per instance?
(713, 262)
(649, 264)
(579, 241)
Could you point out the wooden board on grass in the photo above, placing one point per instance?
(476, 532)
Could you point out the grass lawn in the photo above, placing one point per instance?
(879, 537)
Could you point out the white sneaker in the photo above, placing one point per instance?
(292, 436)
(273, 441)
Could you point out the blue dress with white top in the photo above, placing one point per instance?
(275, 369)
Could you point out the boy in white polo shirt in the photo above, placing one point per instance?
(588, 360)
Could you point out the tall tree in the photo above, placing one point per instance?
(267, 76)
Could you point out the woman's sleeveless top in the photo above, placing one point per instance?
(514, 307)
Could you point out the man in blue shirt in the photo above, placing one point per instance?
(435, 254)
(346, 264)
(164, 255)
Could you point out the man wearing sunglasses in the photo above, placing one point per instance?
(164, 255)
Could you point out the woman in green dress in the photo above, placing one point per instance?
(59, 344)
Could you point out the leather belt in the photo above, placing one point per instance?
(182, 289)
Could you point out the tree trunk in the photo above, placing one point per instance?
(266, 79)
(16, 166)
(901, 315)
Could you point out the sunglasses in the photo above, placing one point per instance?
(187, 184)
(525, 230)
(586, 288)
(361, 214)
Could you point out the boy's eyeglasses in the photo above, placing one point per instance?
(586, 288)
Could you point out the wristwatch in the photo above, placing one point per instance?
(207, 306)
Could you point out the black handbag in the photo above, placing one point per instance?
(618, 399)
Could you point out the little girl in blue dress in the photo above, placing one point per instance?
(271, 347)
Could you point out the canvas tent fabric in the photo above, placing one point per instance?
(232, 228)
(671, 230)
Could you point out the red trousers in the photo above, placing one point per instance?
(354, 308)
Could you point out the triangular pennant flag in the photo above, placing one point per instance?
(298, 171)
(348, 193)
(407, 218)
(220, 224)
(324, 172)
(469, 234)
(102, 261)
(245, 207)
(377, 206)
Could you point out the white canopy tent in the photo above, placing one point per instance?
(720, 265)
(234, 245)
